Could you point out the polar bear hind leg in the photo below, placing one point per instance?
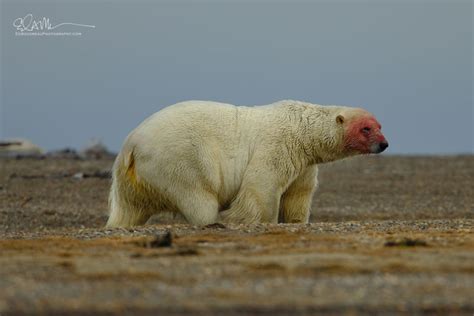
(130, 201)
(128, 216)
(198, 206)
(134, 199)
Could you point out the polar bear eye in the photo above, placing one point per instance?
(365, 130)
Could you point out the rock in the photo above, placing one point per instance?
(96, 150)
(66, 153)
(161, 241)
(215, 226)
(19, 148)
(101, 174)
(79, 175)
(406, 242)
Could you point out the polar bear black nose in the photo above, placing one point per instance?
(383, 146)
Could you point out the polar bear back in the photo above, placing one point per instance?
(192, 126)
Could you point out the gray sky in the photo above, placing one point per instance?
(408, 62)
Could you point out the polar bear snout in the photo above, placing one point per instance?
(383, 146)
(380, 147)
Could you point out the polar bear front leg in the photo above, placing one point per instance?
(258, 199)
(296, 201)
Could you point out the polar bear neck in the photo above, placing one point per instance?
(314, 131)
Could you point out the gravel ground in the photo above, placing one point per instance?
(389, 235)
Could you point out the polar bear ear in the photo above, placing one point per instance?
(340, 119)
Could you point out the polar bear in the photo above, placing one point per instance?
(215, 162)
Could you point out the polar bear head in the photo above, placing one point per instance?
(361, 132)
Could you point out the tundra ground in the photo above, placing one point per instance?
(388, 235)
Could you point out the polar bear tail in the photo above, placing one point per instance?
(127, 206)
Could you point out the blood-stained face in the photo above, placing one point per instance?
(362, 134)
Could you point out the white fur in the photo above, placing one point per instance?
(213, 162)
